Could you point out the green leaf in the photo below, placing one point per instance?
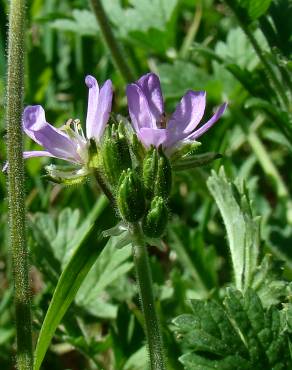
(199, 261)
(61, 237)
(255, 8)
(70, 280)
(191, 361)
(241, 335)
(241, 226)
(83, 23)
(268, 282)
(149, 23)
(238, 50)
(195, 160)
(138, 360)
(111, 265)
(190, 77)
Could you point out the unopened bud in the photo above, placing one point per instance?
(157, 177)
(164, 176)
(149, 172)
(154, 223)
(93, 160)
(130, 199)
(115, 153)
(138, 148)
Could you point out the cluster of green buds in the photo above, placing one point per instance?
(141, 180)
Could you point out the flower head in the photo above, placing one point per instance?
(69, 142)
(146, 109)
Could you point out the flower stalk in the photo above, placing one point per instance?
(113, 45)
(144, 280)
(16, 193)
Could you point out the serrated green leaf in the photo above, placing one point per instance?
(192, 361)
(255, 8)
(191, 77)
(138, 360)
(244, 335)
(242, 228)
(238, 50)
(83, 23)
(111, 265)
(70, 280)
(145, 22)
(268, 283)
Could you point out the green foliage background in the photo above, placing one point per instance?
(190, 44)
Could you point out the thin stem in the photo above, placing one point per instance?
(270, 72)
(271, 171)
(144, 279)
(16, 194)
(112, 43)
(104, 186)
(192, 31)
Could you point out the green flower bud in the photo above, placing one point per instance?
(149, 172)
(157, 177)
(94, 159)
(115, 153)
(154, 223)
(138, 148)
(164, 176)
(130, 197)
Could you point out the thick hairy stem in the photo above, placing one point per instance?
(144, 280)
(112, 43)
(16, 194)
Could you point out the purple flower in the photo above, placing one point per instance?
(147, 114)
(69, 142)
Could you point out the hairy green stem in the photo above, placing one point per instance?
(144, 280)
(104, 186)
(112, 43)
(16, 193)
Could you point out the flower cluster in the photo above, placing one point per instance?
(146, 108)
(134, 165)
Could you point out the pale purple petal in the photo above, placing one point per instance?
(139, 109)
(93, 95)
(53, 140)
(150, 136)
(188, 112)
(103, 110)
(37, 153)
(208, 124)
(150, 85)
(34, 153)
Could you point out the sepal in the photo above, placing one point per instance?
(93, 154)
(157, 176)
(65, 175)
(164, 176)
(197, 160)
(115, 152)
(185, 149)
(130, 197)
(117, 230)
(137, 148)
(154, 223)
